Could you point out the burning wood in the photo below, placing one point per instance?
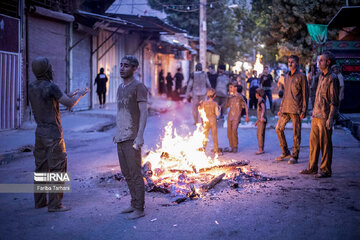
(212, 184)
(180, 170)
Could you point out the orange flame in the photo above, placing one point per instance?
(258, 66)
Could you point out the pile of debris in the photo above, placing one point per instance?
(186, 185)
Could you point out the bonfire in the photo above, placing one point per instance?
(180, 166)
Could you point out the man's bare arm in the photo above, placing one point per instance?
(70, 95)
(72, 101)
(139, 140)
(334, 103)
(247, 113)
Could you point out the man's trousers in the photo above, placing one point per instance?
(320, 140)
(50, 156)
(130, 164)
(213, 127)
(196, 101)
(232, 133)
(280, 127)
(260, 134)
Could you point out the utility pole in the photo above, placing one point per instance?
(202, 31)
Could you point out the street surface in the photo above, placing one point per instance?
(291, 207)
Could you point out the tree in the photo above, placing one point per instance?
(287, 25)
(221, 25)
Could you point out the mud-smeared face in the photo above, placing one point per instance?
(266, 70)
(126, 69)
(324, 62)
(232, 89)
(292, 64)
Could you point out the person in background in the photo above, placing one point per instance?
(212, 75)
(239, 89)
(179, 77)
(281, 81)
(254, 84)
(221, 89)
(275, 107)
(261, 120)
(161, 82)
(265, 83)
(169, 85)
(100, 81)
(198, 83)
(313, 86)
(336, 70)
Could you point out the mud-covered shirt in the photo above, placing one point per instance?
(222, 85)
(128, 112)
(327, 94)
(44, 99)
(259, 110)
(198, 83)
(210, 108)
(295, 94)
(236, 103)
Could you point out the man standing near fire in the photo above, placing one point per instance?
(197, 86)
(222, 89)
(50, 153)
(130, 122)
(325, 107)
(294, 107)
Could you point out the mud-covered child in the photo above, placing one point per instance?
(211, 110)
(236, 103)
(261, 120)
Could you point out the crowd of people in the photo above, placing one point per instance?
(168, 81)
(225, 91)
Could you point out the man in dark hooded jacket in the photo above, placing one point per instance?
(50, 152)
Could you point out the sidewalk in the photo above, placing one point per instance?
(352, 122)
(17, 141)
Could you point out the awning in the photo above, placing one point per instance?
(346, 17)
(109, 19)
(149, 23)
(179, 46)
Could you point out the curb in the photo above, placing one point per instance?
(354, 127)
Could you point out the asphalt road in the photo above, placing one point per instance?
(291, 207)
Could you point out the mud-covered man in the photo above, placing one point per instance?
(198, 84)
(293, 106)
(222, 83)
(131, 121)
(325, 107)
(50, 153)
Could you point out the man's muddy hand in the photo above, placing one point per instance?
(83, 91)
(329, 123)
(138, 142)
(73, 93)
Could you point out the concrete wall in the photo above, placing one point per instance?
(109, 57)
(80, 69)
(48, 38)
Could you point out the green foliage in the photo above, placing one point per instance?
(287, 25)
(221, 24)
(279, 24)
